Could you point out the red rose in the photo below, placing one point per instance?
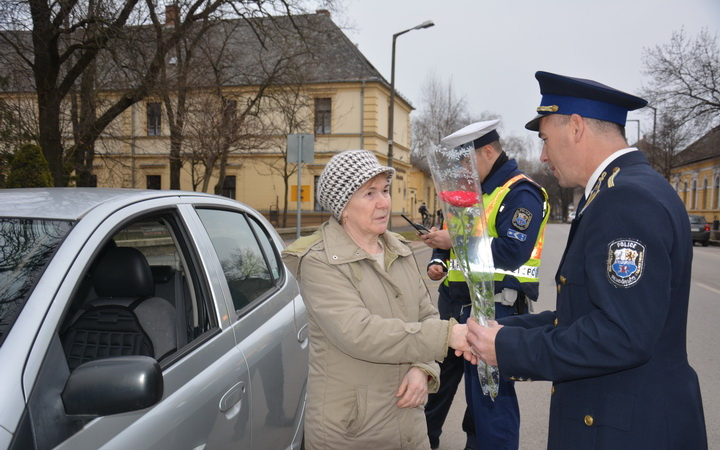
(459, 198)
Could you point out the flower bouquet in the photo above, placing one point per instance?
(454, 173)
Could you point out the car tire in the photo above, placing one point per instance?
(705, 243)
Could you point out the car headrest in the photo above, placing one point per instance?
(123, 272)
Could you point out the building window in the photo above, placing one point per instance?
(693, 195)
(154, 182)
(705, 202)
(717, 193)
(228, 189)
(323, 115)
(685, 195)
(153, 119)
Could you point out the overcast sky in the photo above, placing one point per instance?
(491, 49)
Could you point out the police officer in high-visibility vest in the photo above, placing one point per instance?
(516, 209)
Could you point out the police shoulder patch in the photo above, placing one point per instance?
(521, 218)
(625, 263)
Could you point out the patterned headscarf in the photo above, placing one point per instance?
(344, 174)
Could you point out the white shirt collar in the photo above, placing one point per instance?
(595, 175)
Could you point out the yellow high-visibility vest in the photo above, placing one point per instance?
(529, 271)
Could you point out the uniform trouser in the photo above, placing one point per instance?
(451, 372)
(497, 423)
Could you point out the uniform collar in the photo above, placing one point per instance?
(596, 174)
(498, 178)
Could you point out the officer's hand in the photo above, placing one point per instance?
(482, 341)
(437, 239)
(436, 272)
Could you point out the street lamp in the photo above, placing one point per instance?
(638, 128)
(654, 121)
(391, 118)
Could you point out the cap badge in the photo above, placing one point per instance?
(550, 108)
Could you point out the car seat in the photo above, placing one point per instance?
(126, 318)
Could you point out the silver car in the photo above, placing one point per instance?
(146, 320)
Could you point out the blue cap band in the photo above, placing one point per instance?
(585, 107)
(486, 139)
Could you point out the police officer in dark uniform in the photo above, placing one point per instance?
(615, 348)
(453, 301)
(516, 210)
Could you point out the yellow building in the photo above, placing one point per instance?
(346, 106)
(340, 99)
(696, 176)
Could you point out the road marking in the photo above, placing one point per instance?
(709, 288)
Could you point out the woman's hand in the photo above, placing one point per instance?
(458, 338)
(413, 390)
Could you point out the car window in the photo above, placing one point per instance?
(270, 251)
(139, 291)
(248, 272)
(697, 219)
(26, 248)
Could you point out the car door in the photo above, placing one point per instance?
(203, 405)
(267, 322)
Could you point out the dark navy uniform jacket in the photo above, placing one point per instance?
(615, 348)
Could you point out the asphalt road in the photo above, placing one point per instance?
(534, 398)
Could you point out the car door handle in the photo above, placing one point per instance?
(303, 334)
(232, 397)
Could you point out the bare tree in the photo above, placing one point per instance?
(442, 112)
(685, 79)
(292, 114)
(57, 43)
(669, 139)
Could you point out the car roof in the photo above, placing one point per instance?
(74, 203)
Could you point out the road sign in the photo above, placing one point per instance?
(303, 144)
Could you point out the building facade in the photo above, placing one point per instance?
(339, 99)
(696, 177)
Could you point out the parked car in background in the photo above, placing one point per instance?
(146, 320)
(700, 230)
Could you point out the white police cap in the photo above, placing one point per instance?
(480, 133)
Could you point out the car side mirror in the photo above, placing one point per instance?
(113, 385)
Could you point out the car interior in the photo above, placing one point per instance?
(127, 306)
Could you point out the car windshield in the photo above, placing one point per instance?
(697, 219)
(26, 247)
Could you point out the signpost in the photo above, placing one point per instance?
(300, 149)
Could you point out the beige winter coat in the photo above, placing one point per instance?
(368, 327)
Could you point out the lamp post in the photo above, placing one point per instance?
(638, 128)
(654, 121)
(391, 118)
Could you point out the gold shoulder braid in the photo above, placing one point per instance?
(611, 179)
(595, 190)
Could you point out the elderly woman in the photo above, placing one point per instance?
(374, 332)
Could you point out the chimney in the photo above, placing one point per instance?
(172, 13)
(324, 12)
